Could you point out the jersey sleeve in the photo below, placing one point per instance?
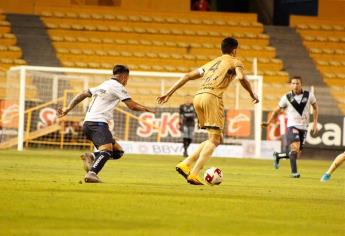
(283, 102)
(92, 90)
(238, 63)
(312, 98)
(121, 93)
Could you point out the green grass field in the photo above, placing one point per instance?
(41, 194)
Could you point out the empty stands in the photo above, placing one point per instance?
(325, 41)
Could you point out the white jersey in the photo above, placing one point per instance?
(297, 108)
(105, 98)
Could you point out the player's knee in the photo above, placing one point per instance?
(293, 153)
(117, 154)
(106, 147)
(216, 141)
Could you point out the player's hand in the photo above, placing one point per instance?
(255, 99)
(315, 129)
(62, 112)
(264, 124)
(163, 99)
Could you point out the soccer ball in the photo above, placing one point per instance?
(213, 176)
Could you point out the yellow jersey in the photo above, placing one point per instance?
(217, 75)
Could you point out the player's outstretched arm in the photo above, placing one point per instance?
(315, 129)
(273, 117)
(75, 101)
(245, 84)
(182, 81)
(134, 106)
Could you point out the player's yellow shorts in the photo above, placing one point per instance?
(210, 112)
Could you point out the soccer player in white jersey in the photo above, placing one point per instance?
(297, 105)
(105, 98)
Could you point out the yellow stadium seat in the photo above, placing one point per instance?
(70, 39)
(94, 65)
(170, 68)
(83, 15)
(90, 27)
(109, 17)
(88, 52)
(46, 14)
(326, 27)
(121, 17)
(65, 26)
(113, 53)
(71, 15)
(80, 64)
(96, 16)
(139, 30)
(62, 50)
(82, 39)
(145, 42)
(338, 27)
(146, 19)
(158, 19)
(58, 14)
(51, 26)
(102, 28)
(75, 51)
(95, 40)
(77, 27)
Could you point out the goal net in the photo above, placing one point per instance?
(29, 118)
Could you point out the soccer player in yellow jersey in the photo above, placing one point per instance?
(208, 103)
(335, 164)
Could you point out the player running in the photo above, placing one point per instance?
(105, 98)
(335, 164)
(208, 104)
(297, 104)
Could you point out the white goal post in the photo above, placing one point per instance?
(51, 82)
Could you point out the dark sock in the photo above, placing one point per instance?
(101, 158)
(185, 144)
(189, 141)
(293, 161)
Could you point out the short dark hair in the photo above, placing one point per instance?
(296, 77)
(120, 69)
(228, 45)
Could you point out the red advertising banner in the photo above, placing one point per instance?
(8, 114)
(238, 123)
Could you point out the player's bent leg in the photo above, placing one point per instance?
(183, 168)
(214, 140)
(102, 157)
(118, 152)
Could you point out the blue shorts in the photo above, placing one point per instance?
(98, 133)
(296, 135)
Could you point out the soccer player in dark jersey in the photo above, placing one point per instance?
(187, 123)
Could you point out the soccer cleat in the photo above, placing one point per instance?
(87, 160)
(295, 175)
(183, 169)
(276, 160)
(325, 177)
(91, 177)
(194, 180)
